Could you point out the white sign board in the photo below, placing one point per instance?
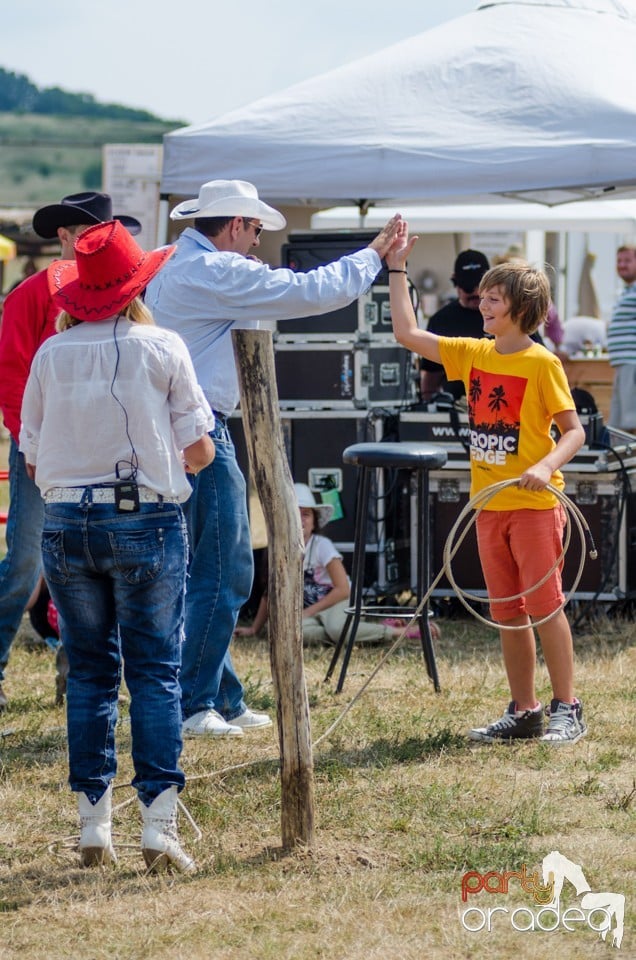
(131, 175)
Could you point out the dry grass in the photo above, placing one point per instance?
(405, 805)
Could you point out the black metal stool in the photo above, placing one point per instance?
(419, 458)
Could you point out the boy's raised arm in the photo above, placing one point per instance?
(405, 328)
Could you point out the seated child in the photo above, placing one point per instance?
(326, 585)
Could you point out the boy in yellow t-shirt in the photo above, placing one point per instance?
(515, 389)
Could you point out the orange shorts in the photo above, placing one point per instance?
(516, 550)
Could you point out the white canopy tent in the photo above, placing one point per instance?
(532, 99)
(611, 216)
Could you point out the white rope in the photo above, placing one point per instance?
(474, 508)
(476, 505)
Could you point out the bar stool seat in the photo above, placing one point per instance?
(420, 459)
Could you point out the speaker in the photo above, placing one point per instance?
(598, 499)
(306, 251)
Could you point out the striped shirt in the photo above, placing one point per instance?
(621, 333)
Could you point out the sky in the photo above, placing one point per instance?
(197, 59)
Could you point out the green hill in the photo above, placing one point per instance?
(51, 141)
(18, 94)
(42, 158)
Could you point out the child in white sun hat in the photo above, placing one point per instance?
(326, 584)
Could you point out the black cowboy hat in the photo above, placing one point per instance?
(79, 208)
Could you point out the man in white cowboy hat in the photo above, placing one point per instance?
(210, 286)
(28, 320)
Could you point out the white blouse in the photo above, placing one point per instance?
(106, 394)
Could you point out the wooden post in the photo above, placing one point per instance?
(254, 353)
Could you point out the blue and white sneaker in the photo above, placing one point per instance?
(566, 723)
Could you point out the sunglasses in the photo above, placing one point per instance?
(258, 229)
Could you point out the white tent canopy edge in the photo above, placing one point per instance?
(530, 98)
(608, 216)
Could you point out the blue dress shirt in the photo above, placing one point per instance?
(203, 293)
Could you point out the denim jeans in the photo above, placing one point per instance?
(118, 582)
(219, 583)
(21, 567)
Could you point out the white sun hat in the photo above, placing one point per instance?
(306, 498)
(229, 198)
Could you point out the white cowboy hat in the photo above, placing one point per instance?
(229, 198)
(306, 498)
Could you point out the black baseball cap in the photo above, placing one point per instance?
(470, 266)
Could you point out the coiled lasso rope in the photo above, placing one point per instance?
(473, 508)
(477, 504)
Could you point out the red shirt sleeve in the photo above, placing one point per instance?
(28, 319)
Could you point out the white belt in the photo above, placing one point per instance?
(100, 495)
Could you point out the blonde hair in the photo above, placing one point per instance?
(525, 288)
(136, 312)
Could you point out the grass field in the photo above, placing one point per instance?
(405, 807)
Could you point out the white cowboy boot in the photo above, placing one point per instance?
(95, 844)
(159, 842)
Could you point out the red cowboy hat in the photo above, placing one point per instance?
(110, 269)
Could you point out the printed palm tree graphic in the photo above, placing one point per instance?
(497, 398)
(475, 390)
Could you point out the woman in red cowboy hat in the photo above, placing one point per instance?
(112, 418)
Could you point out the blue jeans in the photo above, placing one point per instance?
(21, 567)
(219, 583)
(118, 582)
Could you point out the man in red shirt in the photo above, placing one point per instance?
(28, 319)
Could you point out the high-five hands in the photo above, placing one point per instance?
(398, 253)
(386, 237)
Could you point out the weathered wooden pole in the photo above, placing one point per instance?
(254, 353)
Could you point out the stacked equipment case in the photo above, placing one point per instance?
(341, 377)
(346, 359)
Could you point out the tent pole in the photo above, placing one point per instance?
(162, 220)
(363, 209)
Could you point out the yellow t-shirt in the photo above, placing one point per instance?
(512, 399)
